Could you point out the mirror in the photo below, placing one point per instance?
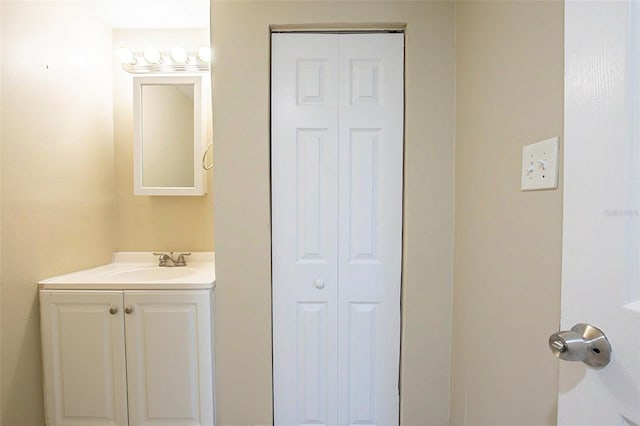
(169, 135)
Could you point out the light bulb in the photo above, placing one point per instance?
(204, 53)
(179, 55)
(152, 55)
(125, 56)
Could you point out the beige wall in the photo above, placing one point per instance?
(509, 89)
(154, 223)
(56, 173)
(240, 34)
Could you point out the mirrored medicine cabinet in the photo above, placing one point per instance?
(169, 135)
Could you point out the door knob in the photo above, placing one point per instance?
(584, 342)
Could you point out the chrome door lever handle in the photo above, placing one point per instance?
(584, 342)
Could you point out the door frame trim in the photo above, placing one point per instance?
(377, 27)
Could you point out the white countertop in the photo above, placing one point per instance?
(139, 271)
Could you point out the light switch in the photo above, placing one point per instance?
(540, 165)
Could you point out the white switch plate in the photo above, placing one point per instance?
(540, 165)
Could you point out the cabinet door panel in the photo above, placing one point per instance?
(83, 358)
(169, 365)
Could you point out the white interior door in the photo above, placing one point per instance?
(600, 278)
(337, 144)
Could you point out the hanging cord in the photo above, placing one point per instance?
(204, 157)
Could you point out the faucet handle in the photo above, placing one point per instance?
(181, 261)
(162, 260)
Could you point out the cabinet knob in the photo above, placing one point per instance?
(319, 284)
(113, 310)
(128, 310)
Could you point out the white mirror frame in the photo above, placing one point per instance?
(199, 132)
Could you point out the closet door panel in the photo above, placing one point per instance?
(304, 149)
(370, 223)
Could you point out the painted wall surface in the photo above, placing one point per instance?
(240, 34)
(154, 223)
(509, 90)
(57, 174)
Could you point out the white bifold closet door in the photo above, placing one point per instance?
(336, 163)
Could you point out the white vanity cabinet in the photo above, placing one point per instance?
(127, 357)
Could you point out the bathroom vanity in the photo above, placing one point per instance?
(129, 343)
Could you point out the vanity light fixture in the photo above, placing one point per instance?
(179, 55)
(125, 56)
(152, 55)
(204, 54)
(153, 60)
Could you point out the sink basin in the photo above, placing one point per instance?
(153, 273)
(139, 271)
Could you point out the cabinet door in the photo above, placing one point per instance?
(83, 358)
(169, 365)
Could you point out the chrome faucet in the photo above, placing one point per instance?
(168, 260)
